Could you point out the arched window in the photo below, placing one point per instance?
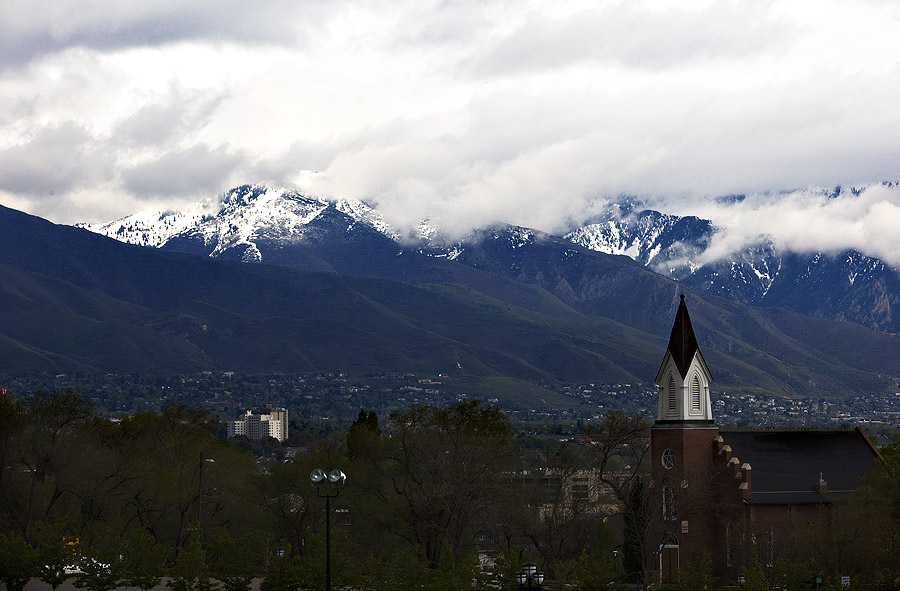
(668, 503)
(670, 392)
(695, 395)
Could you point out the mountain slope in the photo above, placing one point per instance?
(50, 325)
(268, 318)
(514, 303)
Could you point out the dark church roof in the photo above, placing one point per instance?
(786, 465)
(682, 343)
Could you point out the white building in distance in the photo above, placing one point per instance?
(273, 422)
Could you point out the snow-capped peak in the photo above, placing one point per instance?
(240, 216)
(153, 228)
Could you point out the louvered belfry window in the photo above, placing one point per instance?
(671, 392)
(695, 395)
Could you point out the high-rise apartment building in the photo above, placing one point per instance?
(273, 422)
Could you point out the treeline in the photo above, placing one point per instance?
(159, 495)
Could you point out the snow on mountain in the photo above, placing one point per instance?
(430, 240)
(365, 213)
(652, 238)
(152, 228)
(745, 276)
(251, 213)
(241, 216)
(674, 246)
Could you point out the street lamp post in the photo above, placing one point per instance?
(530, 575)
(200, 494)
(335, 480)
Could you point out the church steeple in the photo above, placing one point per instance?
(683, 343)
(683, 378)
(683, 449)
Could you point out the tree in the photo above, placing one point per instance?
(697, 576)
(596, 568)
(54, 557)
(284, 495)
(796, 576)
(18, 561)
(877, 502)
(237, 562)
(190, 572)
(147, 475)
(100, 563)
(564, 505)
(754, 578)
(35, 447)
(444, 471)
(620, 446)
(363, 435)
(284, 574)
(143, 561)
(97, 576)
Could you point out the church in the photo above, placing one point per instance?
(719, 492)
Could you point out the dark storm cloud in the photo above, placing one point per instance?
(198, 170)
(32, 29)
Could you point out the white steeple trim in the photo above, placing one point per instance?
(684, 399)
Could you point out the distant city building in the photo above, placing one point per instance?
(272, 422)
(4, 393)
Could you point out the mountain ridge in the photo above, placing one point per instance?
(847, 286)
(524, 305)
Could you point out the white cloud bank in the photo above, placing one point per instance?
(819, 220)
(467, 111)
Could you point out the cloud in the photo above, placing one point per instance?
(198, 170)
(53, 159)
(808, 221)
(466, 111)
(33, 30)
(629, 35)
(175, 115)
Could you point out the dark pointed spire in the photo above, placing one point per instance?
(683, 343)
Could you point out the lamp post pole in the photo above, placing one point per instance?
(335, 480)
(200, 495)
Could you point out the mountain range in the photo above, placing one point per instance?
(847, 285)
(331, 287)
(249, 220)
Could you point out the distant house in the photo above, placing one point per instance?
(272, 422)
(717, 491)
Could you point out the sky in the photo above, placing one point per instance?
(469, 112)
